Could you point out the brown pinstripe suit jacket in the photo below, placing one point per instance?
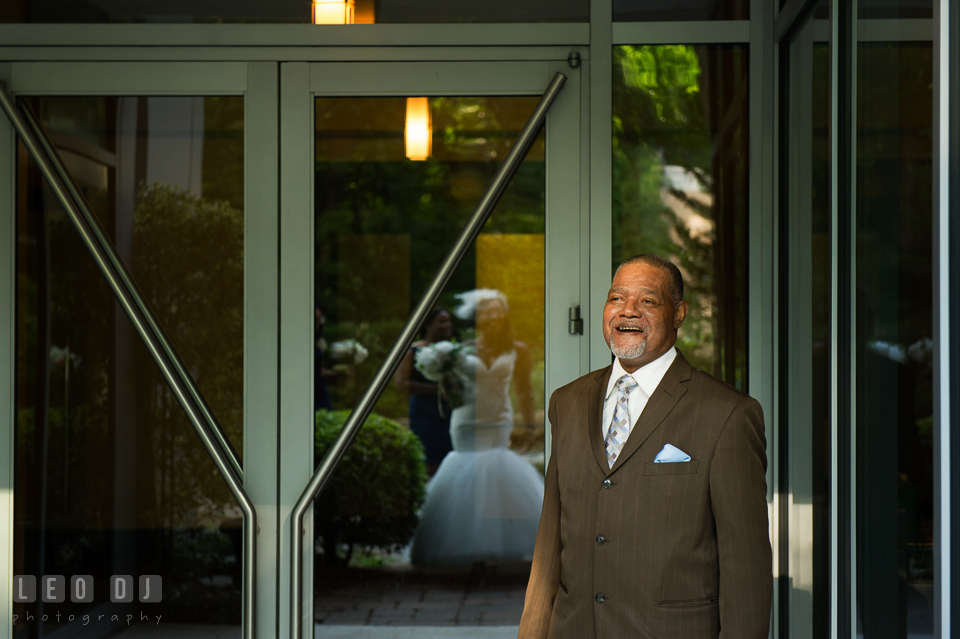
(686, 551)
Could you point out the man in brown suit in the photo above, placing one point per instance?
(654, 527)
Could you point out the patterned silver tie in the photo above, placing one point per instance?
(620, 427)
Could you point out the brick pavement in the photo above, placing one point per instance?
(401, 595)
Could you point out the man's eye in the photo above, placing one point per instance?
(648, 303)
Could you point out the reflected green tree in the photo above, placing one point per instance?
(679, 185)
(385, 223)
(195, 290)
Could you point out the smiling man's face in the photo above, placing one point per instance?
(640, 320)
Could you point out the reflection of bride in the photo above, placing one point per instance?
(484, 502)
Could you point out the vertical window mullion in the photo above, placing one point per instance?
(601, 165)
(843, 195)
(946, 369)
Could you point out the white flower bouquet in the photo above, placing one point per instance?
(348, 351)
(441, 362)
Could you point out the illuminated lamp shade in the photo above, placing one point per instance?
(333, 11)
(417, 133)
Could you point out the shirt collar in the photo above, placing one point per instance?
(647, 377)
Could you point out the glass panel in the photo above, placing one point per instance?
(677, 10)
(680, 185)
(293, 11)
(805, 336)
(154, 11)
(419, 11)
(110, 477)
(894, 9)
(384, 222)
(820, 333)
(894, 328)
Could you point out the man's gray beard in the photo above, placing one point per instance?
(627, 353)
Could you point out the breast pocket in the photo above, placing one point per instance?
(671, 468)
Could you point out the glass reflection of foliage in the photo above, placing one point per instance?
(223, 148)
(195, 290)
(385, 223)
(680, 185)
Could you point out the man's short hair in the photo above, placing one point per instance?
(676, 278)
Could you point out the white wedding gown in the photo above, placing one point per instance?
(484, 501)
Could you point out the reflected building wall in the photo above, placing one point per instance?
(514, 264)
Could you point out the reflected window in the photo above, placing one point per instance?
(680, 185)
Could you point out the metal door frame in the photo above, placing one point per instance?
(257, 83)
(566, 252)
(274, 44)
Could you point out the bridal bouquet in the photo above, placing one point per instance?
(441, 362)
(348, 351)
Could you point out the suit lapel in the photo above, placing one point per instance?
(668, 393)
(595, 416)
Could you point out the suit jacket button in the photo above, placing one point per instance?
(599, 598)
(601, 540)
(607, 483)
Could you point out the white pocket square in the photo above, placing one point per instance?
(669, 454)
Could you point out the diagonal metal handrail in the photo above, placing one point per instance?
(389, 366)
(105, 258)
(130, 286)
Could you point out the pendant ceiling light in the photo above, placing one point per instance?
(333, 11)
(418, 133)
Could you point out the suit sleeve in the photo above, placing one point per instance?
(545, 572)
(738, 494)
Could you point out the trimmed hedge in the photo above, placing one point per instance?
(375, 494)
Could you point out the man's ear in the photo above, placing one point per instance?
(680, 314)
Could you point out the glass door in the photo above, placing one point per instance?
(120, 517)
(430, 518)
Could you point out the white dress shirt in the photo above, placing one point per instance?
(647, 377)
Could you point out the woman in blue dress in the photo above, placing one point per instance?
(426, 420)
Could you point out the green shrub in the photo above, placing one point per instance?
(375, 494)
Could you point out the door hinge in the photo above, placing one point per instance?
(576, 324)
